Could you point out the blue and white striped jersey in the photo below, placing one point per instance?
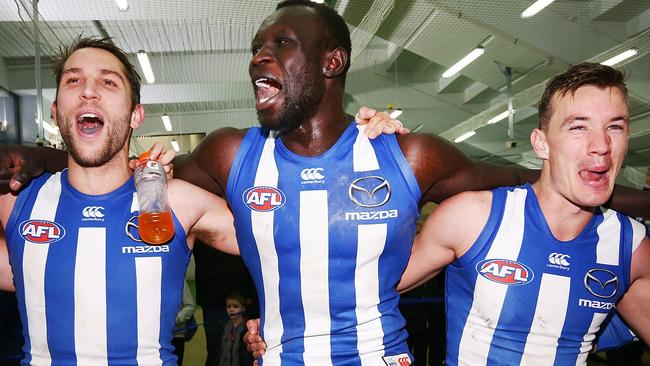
(519, 296)
(89, 291)
(326, 239)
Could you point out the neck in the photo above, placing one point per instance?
(319, 132)
(237, 320)
(102, 179)
(565, 219)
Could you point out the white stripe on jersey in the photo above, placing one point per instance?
(363, 154)
(34, 260)
(370, 334)
(588, 339)
(90, 297)
(134, 203)
(638, 231)
(609, 238)
(148, 276)
(475, 343)
(262, 226)
(314, 275)
(548, 321)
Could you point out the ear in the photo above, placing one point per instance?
(53, 112)
(336, 62)
(538, 140)
(137, 116)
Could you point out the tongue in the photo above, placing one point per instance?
(268, 92)
(90, 125)
(591, 176)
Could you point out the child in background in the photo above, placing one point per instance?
(233, 348)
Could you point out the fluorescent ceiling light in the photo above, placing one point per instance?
(166, 122)
(498, 117)
(146, 67)
(175, 146)
(464, 136)
(318, 1)
(396, 113)
(620, 57)
(123, 5)
(478, 51)
(535, 8)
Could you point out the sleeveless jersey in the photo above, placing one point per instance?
(519, 296)
(326, 239)
(89, 291)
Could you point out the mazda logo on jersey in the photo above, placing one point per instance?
(505, 271)
(264, 199)
(601, 283)
(131, 229)
(41, 231)
(371, 191)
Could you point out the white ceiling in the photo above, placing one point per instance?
(200, 52)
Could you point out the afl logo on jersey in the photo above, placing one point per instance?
(41, 231)
(264, 199)
(505, 271)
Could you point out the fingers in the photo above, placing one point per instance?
(155, 151)
(365, 113)
(15, 183)
(167, 157)
(133, 163)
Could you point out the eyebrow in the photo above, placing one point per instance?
(574, 117)
(76, 70)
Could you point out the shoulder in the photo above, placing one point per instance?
(471, 204)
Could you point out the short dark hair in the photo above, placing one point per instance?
(64, 52)
(338, 34)
(236, 296)
(586, 73)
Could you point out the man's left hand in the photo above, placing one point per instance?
(378, 123)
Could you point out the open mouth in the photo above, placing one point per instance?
(89, 123)
(266, 88)
(595, 176)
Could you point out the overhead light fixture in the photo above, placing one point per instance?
(146, 67)
(166, 122)
(417, 128)
(175, 146)
(476, 53)
(498, 117)
(535, 8)
(318, 1)
(395, 113)
(123, 5)
(620, 57)
(464, 136)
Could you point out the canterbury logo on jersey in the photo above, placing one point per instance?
(402, 359)
(264, 199)
(312, 176)
(505, 271)
(93, 213)
(559, 260)
(41, 231)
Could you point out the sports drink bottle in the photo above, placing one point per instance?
(155, 223)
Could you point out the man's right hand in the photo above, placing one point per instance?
(254, 342)
(18, 165)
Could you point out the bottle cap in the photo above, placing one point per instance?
(144, 157)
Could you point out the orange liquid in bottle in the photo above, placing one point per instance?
(155, 228)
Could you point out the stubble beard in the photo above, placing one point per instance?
(116, 136)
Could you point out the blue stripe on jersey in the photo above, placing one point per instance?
(531, 321)
(112, 277)
(322, 204)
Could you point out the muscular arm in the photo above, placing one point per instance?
(444, 237)
(21, 163)
(209, 164)
(634, 307)
(204, 216)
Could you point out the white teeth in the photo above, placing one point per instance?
(89, 115)
(262, 83)
(264, 100)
